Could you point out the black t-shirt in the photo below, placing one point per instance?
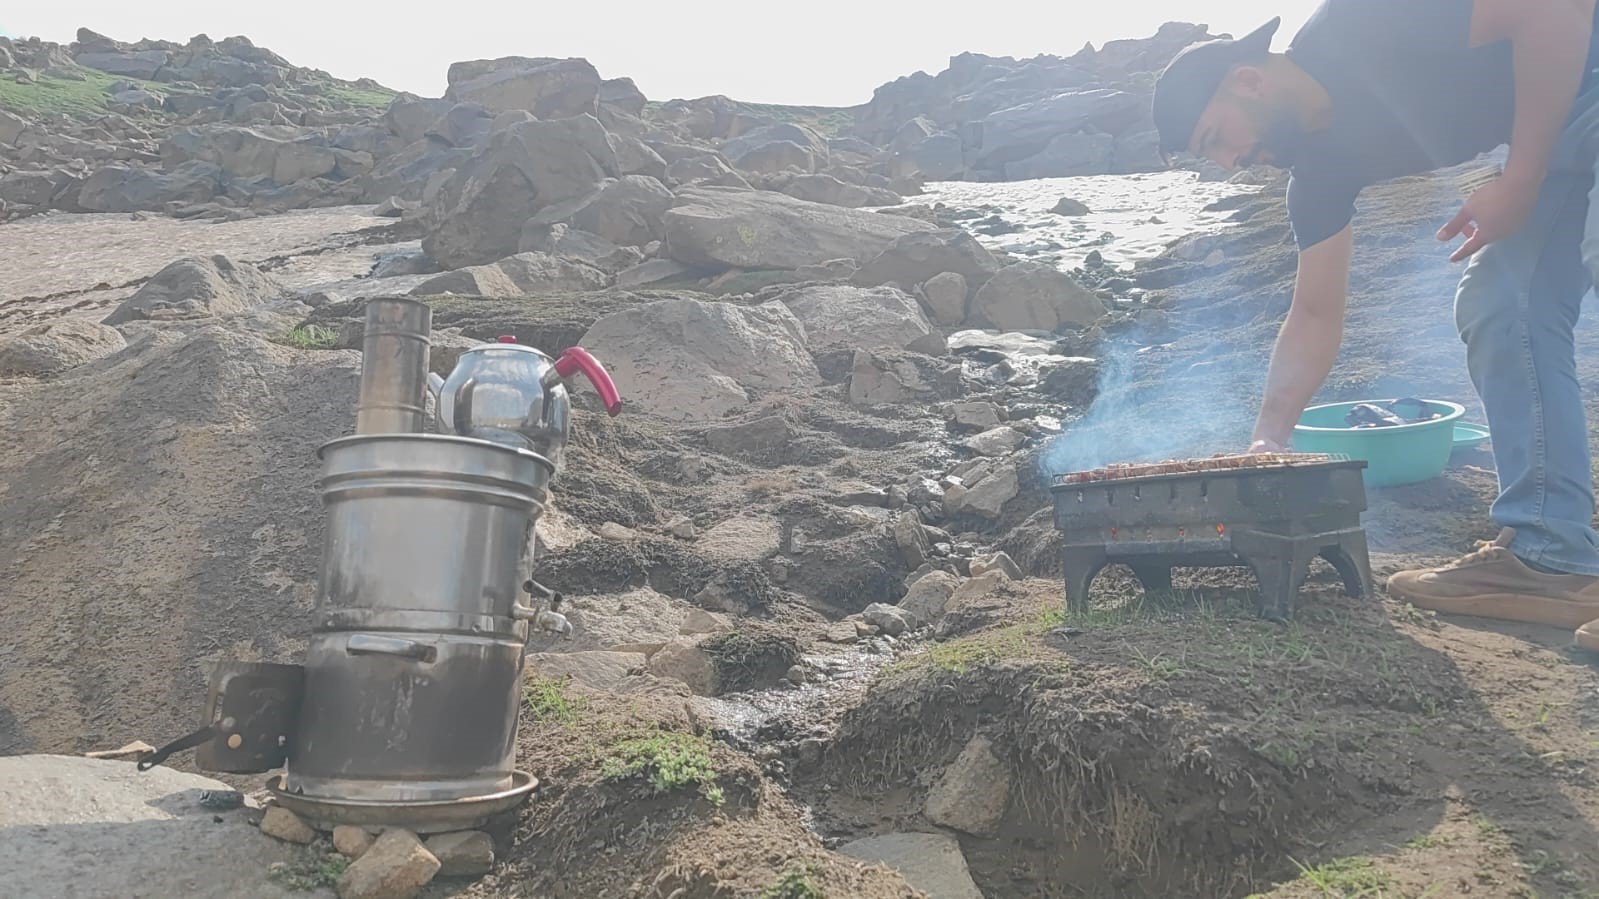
(1409, 94)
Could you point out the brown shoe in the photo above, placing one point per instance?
(1588, 636)
(1492, 583)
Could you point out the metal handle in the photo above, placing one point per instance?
(367, 644)
(577, 359)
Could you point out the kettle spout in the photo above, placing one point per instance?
(435, 385)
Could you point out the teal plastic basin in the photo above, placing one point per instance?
(1402, 454)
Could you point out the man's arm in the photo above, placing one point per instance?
(1549, 48)
(1308, 343)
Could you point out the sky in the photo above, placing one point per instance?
(820, 52)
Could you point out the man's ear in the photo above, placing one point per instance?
(1247, 81)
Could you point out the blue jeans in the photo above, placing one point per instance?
(1517, 308)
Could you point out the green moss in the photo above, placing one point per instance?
(49, 94)
(311, 337)
(347, 94)
(666, 761)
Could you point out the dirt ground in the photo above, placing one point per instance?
(158, 510)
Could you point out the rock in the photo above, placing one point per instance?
(596, 669)
(548, 88)
(1033, 296)
(700, 621)
(352, 842)
(1000, 441)
(681, 527)
(57, 346)
(616, 533)
(125, 188)
(988, 498)
(397, 866)
(688, 359)
(982, 415)
(286, 825)
(623, 94)
(480, 210)
(654, 271)
(625, 211)
(914, 258)
(911, 538)
(831, 270)
(278, 153)
(1068, 206)
(979, 586)
(392, 208)
(394, 265)
(750, 437)
(410, 119)
(721, 228)
(634, 157)
(997, 562)
(930, 863)
(882, 377)
(82, 827)
(707, 169)
(889, 619)
(973, 792)
(36, 189)
(843, 315)
(464, 853)
(777, 147)
(685, 661)
(472, 281)
(196, 287)
(938, 157)
(797, 675)
(141, 64)
(466, 124)
(1073, 380)
(928, 596)
(1138, 151)
(1016, 133)
(944, 295)
(824, 188)
(11, 127)
(1065, 156)
(574, 243)
(514, 276)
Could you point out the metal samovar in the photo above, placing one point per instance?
(404, 711)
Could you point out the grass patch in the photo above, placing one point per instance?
(347, 94)
(548, 702)
(317, 867)
(978, 650)
(795, 883)
(1347, 877)
(1428, 841)
(311, 337)
(49, 94)
(667, 762)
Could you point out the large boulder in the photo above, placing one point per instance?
(1067, 155)
(623, 94)
(479, 213)
(720, 228)
(11, 127)
(937, 157)
(705, 169)
(915, 258)
(931, 863)
(825, 188)
(1033, 296)
(1014, 134)
(626, 211)
(548, 88)
(128, 188)
(841, 315)
(519, 275)
(692, 360)
(280, 153)
(634, 157)
(143, 64)
(56, 346)
(411, 118)
(779, 147)
(197, 287)
(575, 243)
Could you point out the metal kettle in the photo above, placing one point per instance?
(514, 395)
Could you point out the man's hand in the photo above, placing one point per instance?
(1265, 446)
(1496, 211)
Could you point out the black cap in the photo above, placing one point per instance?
(1189, 82)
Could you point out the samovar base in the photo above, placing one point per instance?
(423, 817)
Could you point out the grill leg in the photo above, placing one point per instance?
(1080, 564)
(1352, 562)
(1281, 566)
(1154, 578)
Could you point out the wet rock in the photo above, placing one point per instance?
(862, 318)
(596, 669)
(464, 853)
(997, 562)
(397, 866)
(989, 496)
(945, 297)
(921, 255)
(887, 619)
(547, 88)
(1070, 207)
(928, 597)
(285, 825)
(689, 359)
(931, 863)
(1000, 441)
(196, 287)
(719, 228)
(57, 346)
(972, 794)
(750, 437)
(981, 415)
(1034, 296)
(911, 538)
(352, 842)
(686, 661)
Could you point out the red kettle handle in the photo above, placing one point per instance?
(576, 359)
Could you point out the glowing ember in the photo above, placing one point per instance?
(1222, 462)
